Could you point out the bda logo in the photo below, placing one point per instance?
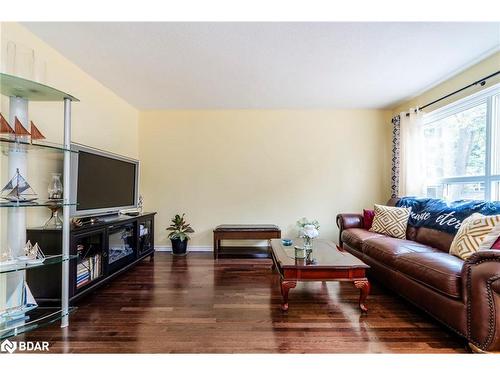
(8, 346)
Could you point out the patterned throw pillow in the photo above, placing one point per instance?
(471, 234)
(368, 218)
(491, 238)
(496, 245)
(391, 221)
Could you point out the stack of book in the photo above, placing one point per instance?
(87, 270)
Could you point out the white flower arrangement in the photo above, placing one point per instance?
(308, 228)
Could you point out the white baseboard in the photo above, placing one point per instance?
(190, 248)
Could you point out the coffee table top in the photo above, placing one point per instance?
(325, 254)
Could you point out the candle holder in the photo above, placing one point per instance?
(300, 252)
(55, 220)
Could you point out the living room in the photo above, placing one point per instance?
(250, 187)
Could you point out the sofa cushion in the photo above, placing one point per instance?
(434, 238)
(355, 237)
(387, 249)
(438, 270)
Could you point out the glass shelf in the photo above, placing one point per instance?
(8, 144)
(21, 266)
(39, 317)
(34, 204)
(34, 91)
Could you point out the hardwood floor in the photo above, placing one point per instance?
(198, 305)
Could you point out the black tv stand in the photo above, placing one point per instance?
(101, 250)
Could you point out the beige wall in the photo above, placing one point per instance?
(248, 166)
(241, 166)
(481, 69)
(101, 119)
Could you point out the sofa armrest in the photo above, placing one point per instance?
(346, 221)
(481, 273)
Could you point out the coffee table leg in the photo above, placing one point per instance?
(364, 286)
(285, 288)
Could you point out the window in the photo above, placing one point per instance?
(462, 148)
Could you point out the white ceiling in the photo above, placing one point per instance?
(270, 65)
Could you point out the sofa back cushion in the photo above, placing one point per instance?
(434, 238)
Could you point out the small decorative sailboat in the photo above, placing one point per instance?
(18, 190)
(7, 258)
(20, 130)
(36, 133)
(17, 313)
(5, 128)
(32, 254)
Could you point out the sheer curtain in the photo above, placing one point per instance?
(412, 155)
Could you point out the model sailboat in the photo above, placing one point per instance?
(5, 128)
(32, 254)
(18, 190)
(17, 308)
(19, 130)
(36, 134)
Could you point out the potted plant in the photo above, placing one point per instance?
(179, 230)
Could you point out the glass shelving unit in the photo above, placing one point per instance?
(23, 266)
(20, 92)
(7, 144)
(35, 204)
(33, 91)
(40, 317)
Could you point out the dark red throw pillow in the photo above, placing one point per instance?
(368, 216)
(496, 245)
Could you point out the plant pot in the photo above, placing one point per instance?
(179, 247)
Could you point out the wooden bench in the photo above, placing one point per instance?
(244, 232)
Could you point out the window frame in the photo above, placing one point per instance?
(490, 97)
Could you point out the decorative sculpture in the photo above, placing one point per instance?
(18, 190)
(19, 130)
(36, 133)
(5, 128)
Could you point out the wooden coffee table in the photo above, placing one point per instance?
(325, 263)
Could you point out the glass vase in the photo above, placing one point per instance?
(55, 187)
(307, 244)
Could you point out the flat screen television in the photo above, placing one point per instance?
(102, 182)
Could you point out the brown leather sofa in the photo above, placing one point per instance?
(463, 295)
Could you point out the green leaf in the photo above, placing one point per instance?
(179, 228)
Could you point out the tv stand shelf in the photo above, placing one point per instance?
(99, 251)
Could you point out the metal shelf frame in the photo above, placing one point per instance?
(21, 91)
